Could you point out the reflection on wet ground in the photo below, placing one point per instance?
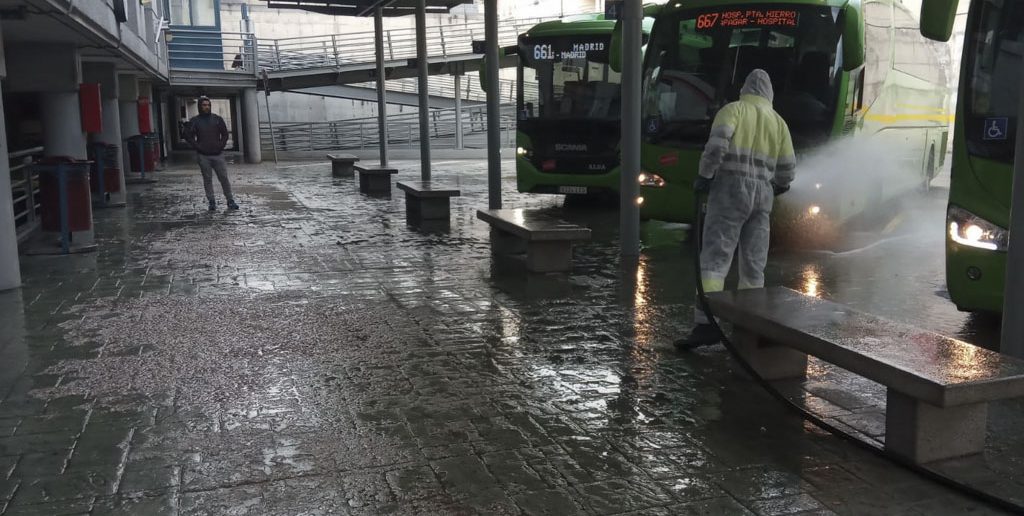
(311, 354)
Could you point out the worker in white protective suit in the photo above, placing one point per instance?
(747, 161)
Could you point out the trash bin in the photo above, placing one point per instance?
(143, 152)
(77, 197)
(106, 175)
(152, 150)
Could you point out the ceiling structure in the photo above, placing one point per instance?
(366, 7)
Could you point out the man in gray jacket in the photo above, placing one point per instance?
(208, 135)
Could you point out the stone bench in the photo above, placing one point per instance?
(342, 164)
(547, 241)
(428, 201)
(938, 388)
(375, 180)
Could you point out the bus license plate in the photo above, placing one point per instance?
(572, 189)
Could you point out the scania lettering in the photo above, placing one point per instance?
(568, 108)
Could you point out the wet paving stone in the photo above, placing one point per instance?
(310, 354)
(162, 505)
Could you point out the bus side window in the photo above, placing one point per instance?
(855, 97)
(878, 57)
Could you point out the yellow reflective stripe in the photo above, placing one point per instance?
(888, 119)
(713, 284)
(767, 140)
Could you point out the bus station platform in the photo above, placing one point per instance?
(312, 354)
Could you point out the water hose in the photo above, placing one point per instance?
(807, 415)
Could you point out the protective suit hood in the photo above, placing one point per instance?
(758, 83)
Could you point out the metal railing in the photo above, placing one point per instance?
(403, 130)
(212, 51)
(25, 191)
(444, 86)
(335, 50)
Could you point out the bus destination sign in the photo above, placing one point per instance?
(749, 18)
(562, 50)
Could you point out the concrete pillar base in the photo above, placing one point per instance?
(342, 169)
(922, 432)
(375, 183)
(427, 208)
(772, 362)
(506, 243)
(549, 256)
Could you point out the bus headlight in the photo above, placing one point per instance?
(523, 151)
(652, 180)
(966, 228)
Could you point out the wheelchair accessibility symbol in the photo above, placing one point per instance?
(996, 128)
(653, 125)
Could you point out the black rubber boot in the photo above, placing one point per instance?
(700, 335)
(213, 206)
(232, 205)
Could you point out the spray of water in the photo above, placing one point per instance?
(843, 181)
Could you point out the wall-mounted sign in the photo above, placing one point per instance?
(739, 18)
(613, 9)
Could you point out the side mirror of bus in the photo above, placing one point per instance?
(853, 39)
(937, 18)
(615, 49)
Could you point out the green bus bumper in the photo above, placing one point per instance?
(531, 180)
(984, 294)
(670, 203)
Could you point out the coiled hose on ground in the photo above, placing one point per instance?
(965, 489)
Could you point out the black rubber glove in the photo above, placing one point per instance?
(702, 185)
(779, 190)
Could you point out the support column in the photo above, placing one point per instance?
(106, 75)
(10, 268)
(458, 113)
(112, 135)
(251, 126)
(382, 96)
(421, 56)
(629, 186)
(62, 125)
(128, 100)
(493, 107)
(1012, 341)
(10, 271)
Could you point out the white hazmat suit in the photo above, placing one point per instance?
(750, 157)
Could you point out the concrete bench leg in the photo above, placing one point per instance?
(506, 243)
(549, 256)
(922, 432)
(771, 361)
(375, 184)
(417, 208)
(342, 169)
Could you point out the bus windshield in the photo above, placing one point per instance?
(994, 53)
(698, 60)
(571, 76)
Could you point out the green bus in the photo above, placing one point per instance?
(983, 147)
(568, 108)
(840, 68)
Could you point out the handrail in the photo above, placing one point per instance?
(403, 129)
(332, 50)
(25, 152)
(25, 191)
(189, 49)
